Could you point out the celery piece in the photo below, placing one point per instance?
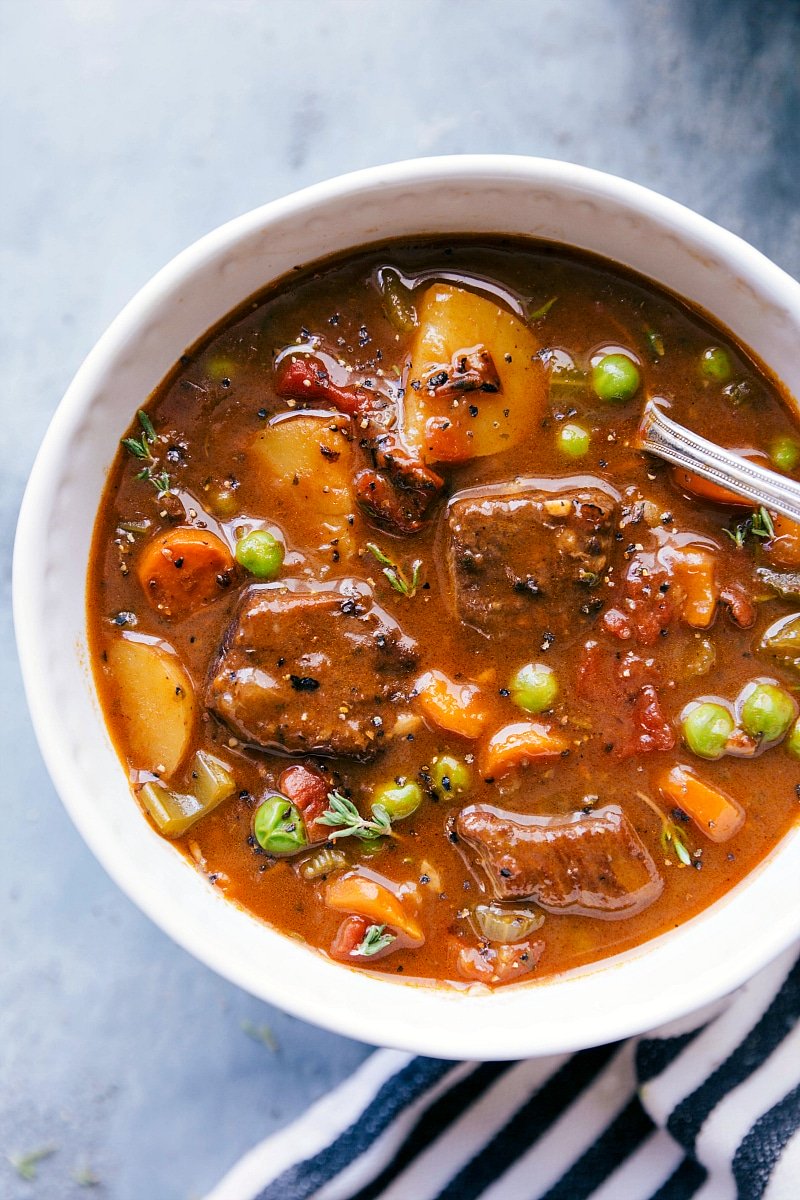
(212, 778)
(172, 812)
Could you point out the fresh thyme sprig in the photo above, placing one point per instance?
(347, 821)
(161, 482)
(394, 574)
(758, 524)
(374, 940)
(671, 837)
(141, 448)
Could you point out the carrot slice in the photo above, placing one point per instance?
(522, 742)
(456, 707)
(365, 897)
(446, 442)
(784, 548)
(694, 568)
(715, 814)
(183, 569)
(704, 489)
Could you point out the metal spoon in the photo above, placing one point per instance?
(658, 434)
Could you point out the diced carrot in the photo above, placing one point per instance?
(704, 489)
(522, 742)
(714, 813)
(446, 442)
(366, 897)
(183, 569)
(694, 569)
(784, 548)
(456, 707)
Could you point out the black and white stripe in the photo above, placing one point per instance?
(710, 1111)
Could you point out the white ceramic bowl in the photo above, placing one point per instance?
(663, 979)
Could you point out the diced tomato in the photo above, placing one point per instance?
(308, 789)
(349, 935)
(651, 730)
(305, 378)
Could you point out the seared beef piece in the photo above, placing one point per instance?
(400, 490)
(591, 866)
(468, 371)
(522, 556)
(310, 671)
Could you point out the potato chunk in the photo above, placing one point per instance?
(155, 701)
(447, 425)
(305, 465)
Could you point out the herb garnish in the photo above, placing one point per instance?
(374, 940)
(671, 837)
(394, 574)
(347, 821)
(543, 311)
(656, 343)
(141, 448)
(25, 1164)
(758, 524)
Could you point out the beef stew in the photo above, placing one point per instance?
(413, 653)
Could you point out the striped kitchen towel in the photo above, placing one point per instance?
(706, 1108)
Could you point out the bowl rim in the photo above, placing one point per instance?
(445, 1039)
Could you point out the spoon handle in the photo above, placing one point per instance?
(665, 438)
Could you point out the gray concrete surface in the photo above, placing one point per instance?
(127, 130)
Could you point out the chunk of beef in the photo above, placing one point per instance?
(399, 492)
(592, 866)
(468, 371)
(310, 671)
(527, 556)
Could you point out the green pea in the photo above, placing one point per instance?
(260, 553)
(573, 440)
(615, 378)
(793, 740)
(534, 688)
(278, 826)
(450, 775)
(716, 365)
(399, 799)
(706, 728)
(767, 712)
(784, 453)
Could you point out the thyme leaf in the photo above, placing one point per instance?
(543, 311)
(758, 524)
(671, 837)
(85, 1177)
(260, 1033)
(656, 343)
(25, 1164)
(346, 821)
(394, 574)
(140, 447)
(374, 939)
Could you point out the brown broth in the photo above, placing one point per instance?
(211, 410)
